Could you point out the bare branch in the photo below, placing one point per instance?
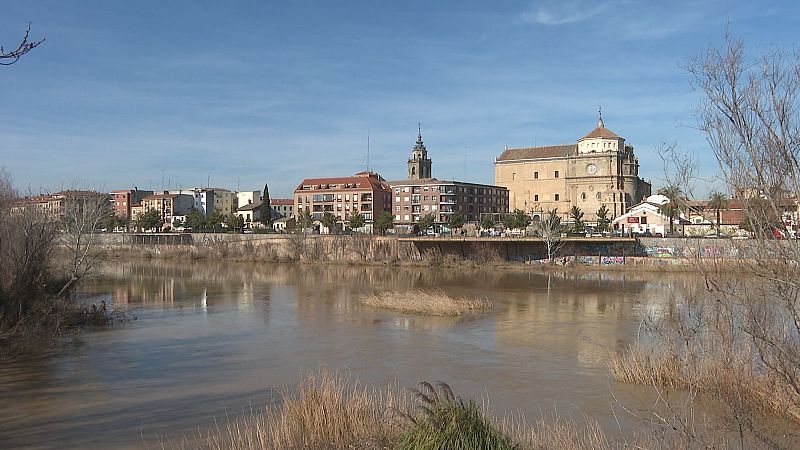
(9, 57)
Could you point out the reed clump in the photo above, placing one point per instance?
(443, 421)
(326, 410)
(434, 303)
(330, 411)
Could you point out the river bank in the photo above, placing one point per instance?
(653, 255)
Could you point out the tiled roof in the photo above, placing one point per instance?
(553, 151)
(356, 182)
(281, 202)
(250, 206)
(600, 132)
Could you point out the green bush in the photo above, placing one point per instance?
(445, 422)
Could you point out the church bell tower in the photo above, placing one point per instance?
(419, 166)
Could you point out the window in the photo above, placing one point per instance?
(556, 174)
(557, 197)
(513, 176)
(535, 175)
(347, 197)
(583, 196)
(536, 198)
(598, 196)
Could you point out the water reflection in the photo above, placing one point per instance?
(211, 338)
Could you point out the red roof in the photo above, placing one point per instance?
(281, 202)
(552, 151)
(362, 180)
(600, 132)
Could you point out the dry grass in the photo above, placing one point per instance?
(731, 380)
(557, 434)
(325, 411)
(329, 411)
(435, 303)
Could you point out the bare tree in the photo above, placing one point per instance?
(9, 57)
(550, 231)
(736, 339)
(83, 215)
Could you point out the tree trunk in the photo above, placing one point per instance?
(66, 287)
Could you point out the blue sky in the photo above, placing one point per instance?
(248, 92)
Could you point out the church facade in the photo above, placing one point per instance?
(599, 169)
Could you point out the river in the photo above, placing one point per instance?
(211, 340)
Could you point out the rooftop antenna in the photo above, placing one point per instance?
(367, 149)
(208, 181)
(162, 179)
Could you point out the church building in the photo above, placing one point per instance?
(600, 169)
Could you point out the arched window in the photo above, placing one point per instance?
(413, 171)
(583, 196)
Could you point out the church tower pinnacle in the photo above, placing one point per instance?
(600, 123)
(419, 166)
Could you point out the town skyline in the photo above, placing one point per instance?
(187, 92)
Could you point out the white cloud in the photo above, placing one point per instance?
(563, 12)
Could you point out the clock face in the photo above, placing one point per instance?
(591, 169)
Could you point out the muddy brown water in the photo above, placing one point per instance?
(211, 340)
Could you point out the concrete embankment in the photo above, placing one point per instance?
(643, 253)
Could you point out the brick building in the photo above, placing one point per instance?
(421, 194)
(123, 200)
(365, 192)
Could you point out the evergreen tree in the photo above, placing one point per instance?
(328, 221)
(487, 222)
(426, 222)
(602, 219)
(150, 220)
(215, 219)
(234, 221)
(194, 220)
(266, 208)
(456, 221)
(576, 215)
(357, 221)
(384, 222)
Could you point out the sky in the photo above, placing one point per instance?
(240, 93)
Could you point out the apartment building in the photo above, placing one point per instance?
(207, 200)
(169, 206)
(55, 205)
(365, 192)
(282, 207)
(421, 194)
(414, 199)
(123, 200)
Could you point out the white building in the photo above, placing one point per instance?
(247, 197)
(646, 217)
(207, 200)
